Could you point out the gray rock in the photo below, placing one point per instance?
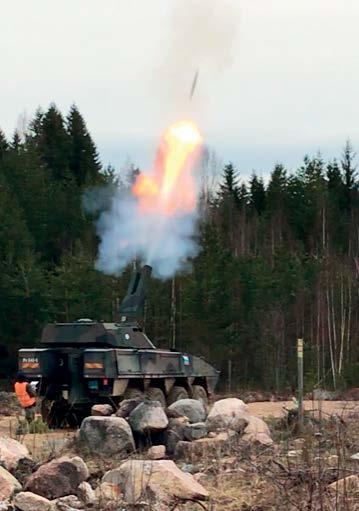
(156, 452)
(191, 408)
(148, 417)
(108, 436)
(101, 410)
(8, 484)
(174, 433)
(217, 447)
(257, 431)
(85, 493)
(107, 492)
(58, 478)
(126, 407)
(68, 503)
(194, 431)
(137, 477)
(230, 413)
(11, 452)
(27, 501)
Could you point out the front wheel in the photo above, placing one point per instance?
(156, 394)
(176, 394)
(199, 393)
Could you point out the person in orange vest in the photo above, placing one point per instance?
(26, 396)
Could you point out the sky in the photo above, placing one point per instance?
(277, 78)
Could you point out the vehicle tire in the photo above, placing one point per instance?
(58, 414)
(199, 393)
(156, 394)
(176, 394)
(133, 393)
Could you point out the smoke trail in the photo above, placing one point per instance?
(201, 35)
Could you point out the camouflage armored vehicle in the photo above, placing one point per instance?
(88, 362)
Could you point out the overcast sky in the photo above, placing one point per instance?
(277, 78)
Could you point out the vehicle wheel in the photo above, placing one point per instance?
(199, 393)
(176, 394)
(133, 393)
(156, 394)
(55, 413)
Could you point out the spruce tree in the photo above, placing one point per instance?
(54, 143)
(84, 160)
(4, 146)
(257, 193)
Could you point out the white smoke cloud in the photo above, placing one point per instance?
(200, 36)
(126, 233)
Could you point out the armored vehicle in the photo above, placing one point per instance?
(87, 362)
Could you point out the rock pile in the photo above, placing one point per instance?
(187, 433)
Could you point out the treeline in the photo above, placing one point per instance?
(278, 260)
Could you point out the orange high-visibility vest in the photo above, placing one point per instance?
(22, 395)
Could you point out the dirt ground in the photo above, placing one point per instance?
(277, 409)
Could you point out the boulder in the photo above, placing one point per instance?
(230, 413)
(194, 431)
(156, 452)
(68, 503)
(174, 433)
(126, 407)
(257, 431)
(58, 478)
(217, 446)
(349, 484)
(8, 484)
(11, 452)
(191, 408)
(148, 417)
(108, 436)
(107, 492)
(101, 410)
(85, 493)
(138, 477)
(27, 501)
(355, 457)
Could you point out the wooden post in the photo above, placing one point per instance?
(300, 383)
(173, 313)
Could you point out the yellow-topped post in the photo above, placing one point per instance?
(300, 382)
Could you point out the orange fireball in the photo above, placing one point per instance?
(170, 188)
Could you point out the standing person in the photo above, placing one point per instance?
(26, 396)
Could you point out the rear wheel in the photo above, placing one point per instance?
(59, 414)
(199, 393)
(133, 393)
(156, 394)
(176, 394)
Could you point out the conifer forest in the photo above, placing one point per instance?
(278, 259)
